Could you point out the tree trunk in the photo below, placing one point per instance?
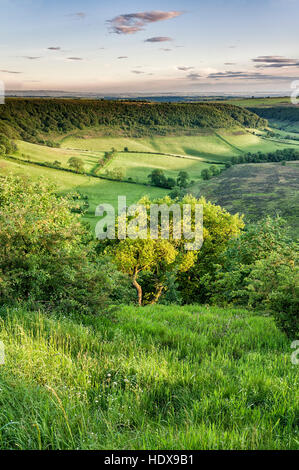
(138, 288)
(157, 294)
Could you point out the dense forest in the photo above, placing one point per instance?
(279, 113)
(35, 120)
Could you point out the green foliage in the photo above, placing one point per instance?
(183, 179)
(219, 227)
(177, 193)
(161, 258)
(136, 256)
(206, 174)
(45, 253)
(158, 178)
(288, 154)
(7, 145)
(273, 284)
(260, 269)
(34, 119)
(76, 164)
(278, 113)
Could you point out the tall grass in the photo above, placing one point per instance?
(152, 378)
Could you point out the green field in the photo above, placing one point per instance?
(210, 146)
(262, 102)
(139, 165)
(42, 153)
(135, 165)
(153, 378)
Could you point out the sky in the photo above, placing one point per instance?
(172, 46)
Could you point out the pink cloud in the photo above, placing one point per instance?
(131, 23)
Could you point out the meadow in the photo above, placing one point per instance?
(99, 191)
(208, 145)
(158, 377)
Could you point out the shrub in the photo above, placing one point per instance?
(46, 255)
(260, 269)
(273, 284)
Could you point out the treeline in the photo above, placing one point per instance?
(259, 157)
(157, 178)
(35, 119)
(284, 155)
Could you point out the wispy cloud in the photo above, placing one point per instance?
(193, 76)
(184, 68)
(9, 71)
(75, 58)
(123, 57)
(137, 72)
(80, 15)
(131, 23)
(269, 61)
(54, 48)
(248, 76)
(31, 57)
(158, 39)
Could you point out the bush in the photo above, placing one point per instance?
(7, 145)
(260, 270)
(46, 255)
(273, 284)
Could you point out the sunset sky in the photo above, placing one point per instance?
(149, 46)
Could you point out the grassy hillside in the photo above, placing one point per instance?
(98, 191)
(153, 378)
(217, 145)
(259, 102)
(134, 165)
(42, 153)
(257, 190)
(278, 111)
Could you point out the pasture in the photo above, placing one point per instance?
(98, 190)
(210, 145)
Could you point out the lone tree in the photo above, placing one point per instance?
(136, 256)
(160, 257)
(183, 179)
(157, 178)
(206, 174)
(76, 164)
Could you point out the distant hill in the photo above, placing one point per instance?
(35, 120)
(257, 190)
